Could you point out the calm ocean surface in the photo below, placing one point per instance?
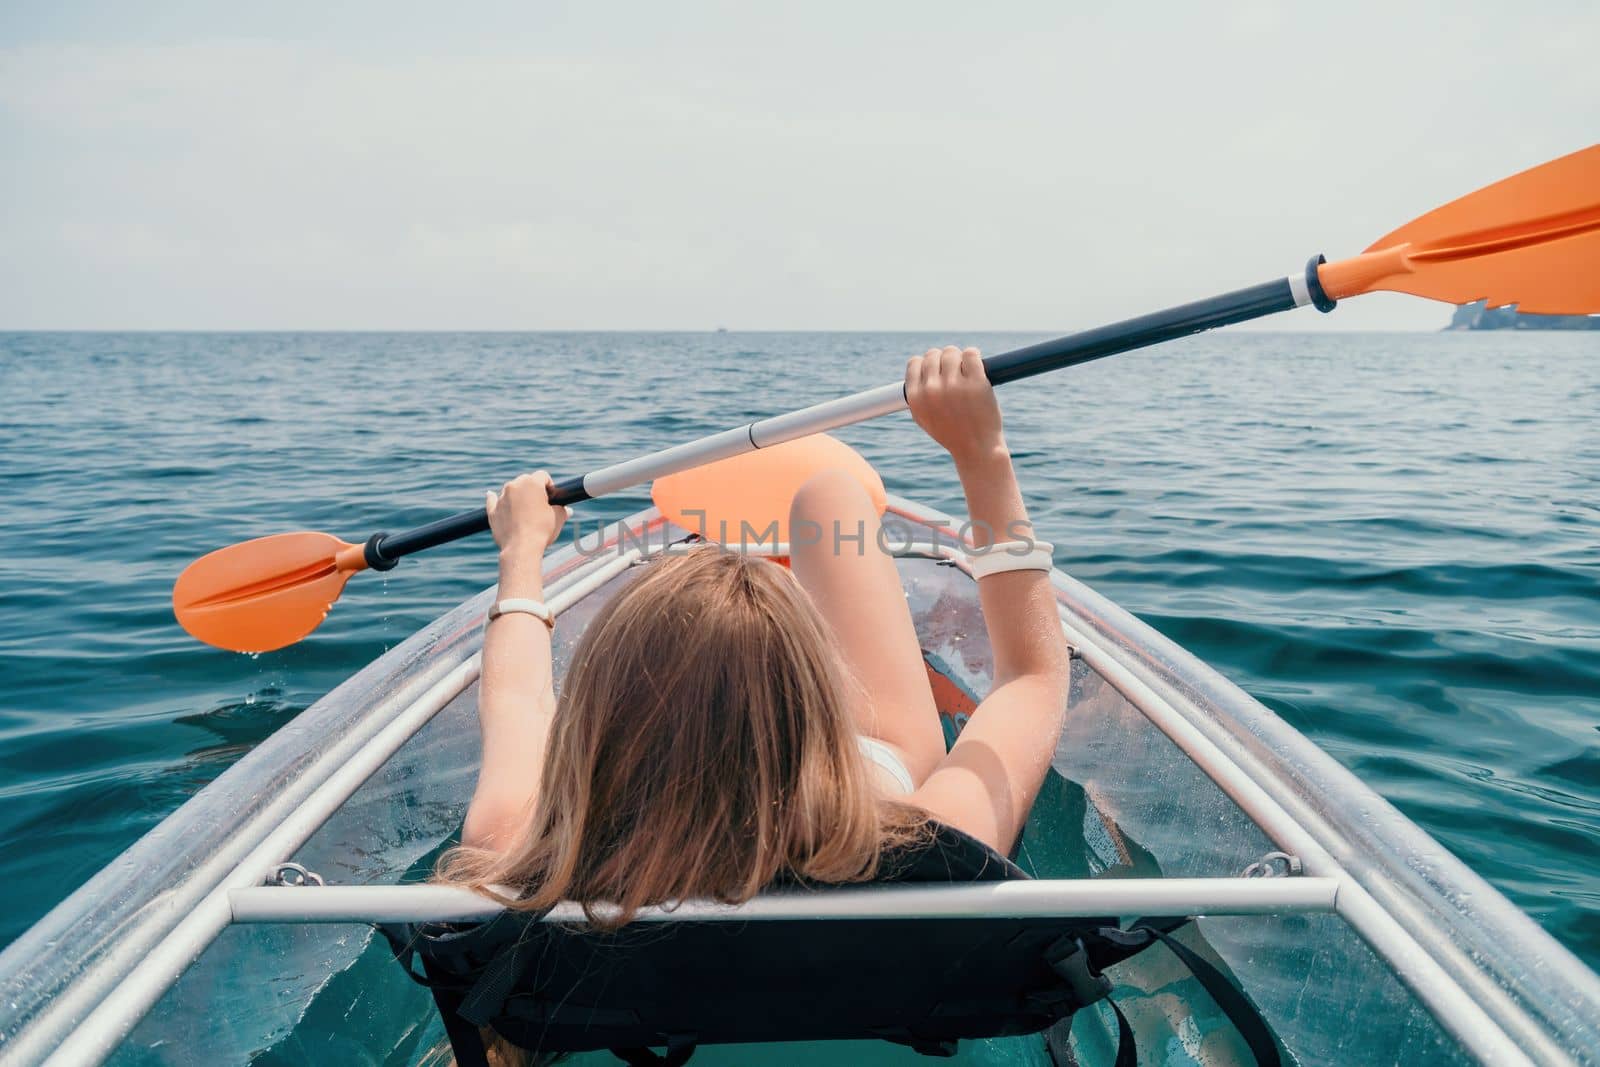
(1392, 540)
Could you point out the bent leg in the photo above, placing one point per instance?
(857, 589)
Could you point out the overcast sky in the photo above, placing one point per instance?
(817, 165)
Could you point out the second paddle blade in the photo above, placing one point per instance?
(262, 595)
(744, 500)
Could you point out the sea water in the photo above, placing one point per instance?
(1393, 540)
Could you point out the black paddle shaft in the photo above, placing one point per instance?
(383, 550)
(1241, 305)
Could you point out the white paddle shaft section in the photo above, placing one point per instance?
(818, 418)
(1301, 291)
(1043, 898)
(829, 415)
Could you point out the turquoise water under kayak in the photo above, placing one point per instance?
(1389, 539)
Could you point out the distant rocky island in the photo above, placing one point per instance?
(1478, 317)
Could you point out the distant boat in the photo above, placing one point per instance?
(722, 329)
(1478, 316)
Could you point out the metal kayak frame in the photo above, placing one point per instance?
(76, 984)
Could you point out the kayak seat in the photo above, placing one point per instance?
(926, 982)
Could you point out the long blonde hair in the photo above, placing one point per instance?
(702, 747)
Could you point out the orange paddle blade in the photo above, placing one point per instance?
(1532, 240)
(264, 594)
(746, 498)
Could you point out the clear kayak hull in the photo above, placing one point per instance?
(1165, 771)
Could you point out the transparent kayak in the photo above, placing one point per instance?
(1359, 938)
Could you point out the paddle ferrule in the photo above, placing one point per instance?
(375, 554)
(1312, 282)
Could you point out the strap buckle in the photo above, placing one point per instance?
(1070, 960)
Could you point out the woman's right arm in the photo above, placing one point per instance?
(987, 784)
(515, 700)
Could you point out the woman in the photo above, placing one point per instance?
(726, 723)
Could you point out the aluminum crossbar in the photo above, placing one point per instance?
(1041, 898)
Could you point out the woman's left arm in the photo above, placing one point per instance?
(515, 697)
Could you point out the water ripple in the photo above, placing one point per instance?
(1391, 540)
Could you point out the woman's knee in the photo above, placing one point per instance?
(829, 493)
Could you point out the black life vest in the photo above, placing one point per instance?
(676, 984)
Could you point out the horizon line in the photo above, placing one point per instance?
(673, 330)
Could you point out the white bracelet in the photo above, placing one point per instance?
(522, 606)
(1005, 556)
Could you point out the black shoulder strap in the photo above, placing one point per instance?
(1058, 1042)
(1234, 1004)
(497, 981)
(466, 1040)
(1085, 984)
